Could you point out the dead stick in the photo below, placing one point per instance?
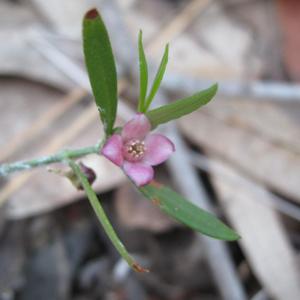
(41, 123)
(258, 90)
(178, 24)
(225, 170)
(90, 114)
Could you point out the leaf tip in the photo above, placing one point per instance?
(167, 50)
(213, 89)
(140, 38)
(215, 86)
(138, 268)
(92, 14)
(234, 236)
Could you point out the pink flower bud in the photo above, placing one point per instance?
(88, 172)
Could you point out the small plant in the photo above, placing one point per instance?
(133, 147)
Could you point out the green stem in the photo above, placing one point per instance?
(68, 155)
(103, 218)
(6, 169)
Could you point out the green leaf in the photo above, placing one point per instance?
(187, 213)
(143, 73)
(99, 211)
(101, 67)
(158, 78)
(181, 107)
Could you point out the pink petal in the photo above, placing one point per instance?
(158, 149)
(137, 128)
(140, 173)
(113, 149)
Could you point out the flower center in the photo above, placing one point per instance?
(134, 150)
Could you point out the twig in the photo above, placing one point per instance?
(259, 90)
(6, 169)
(73, 71)
(217, 253)
(178, 24)
(88, 116)
(225, 170)
(42, 122)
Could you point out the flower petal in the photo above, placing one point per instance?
(140, 173)
(158, 149)
(113, 149)
(137, 128)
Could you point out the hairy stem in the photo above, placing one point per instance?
(9, 168)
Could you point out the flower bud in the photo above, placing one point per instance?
(88, 172)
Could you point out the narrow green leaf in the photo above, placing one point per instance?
(187, 213)
(181, 107)
(143, 73)
(158, 78)
(99, 211)
(101, 67)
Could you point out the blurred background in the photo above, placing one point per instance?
(239, 156)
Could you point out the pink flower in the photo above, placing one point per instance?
(136, 150)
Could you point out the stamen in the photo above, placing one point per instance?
(134, 150)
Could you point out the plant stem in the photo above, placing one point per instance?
(99, 211)
(67, 156)
(6, 169)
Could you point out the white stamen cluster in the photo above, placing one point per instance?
(136, 149)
